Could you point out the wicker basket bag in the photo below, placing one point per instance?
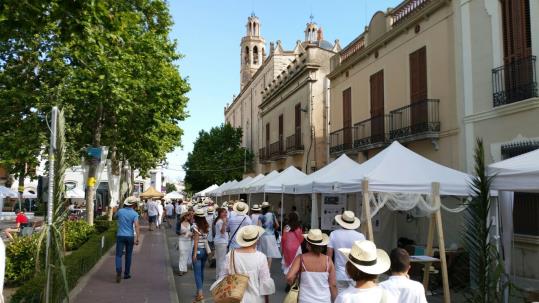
(232, 287)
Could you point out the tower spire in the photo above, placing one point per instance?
(253, 51)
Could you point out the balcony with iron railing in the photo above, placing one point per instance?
(277, 150)
(341, 140)
(263, 155)
(294, 143)
(371, 133)
(405, 10)
(416, 121)
(515, 81)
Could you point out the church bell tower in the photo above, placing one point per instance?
(253, 51)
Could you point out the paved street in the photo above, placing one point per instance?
(151, 278)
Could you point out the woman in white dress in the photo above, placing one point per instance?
(183, 229)
(220, 240)
(268, 242)
(249, 261)
(315, 271)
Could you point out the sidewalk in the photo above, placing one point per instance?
(152, 279)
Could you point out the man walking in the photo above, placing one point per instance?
(126, 217)
(236, 221)
(153, 212)
(343, 238)
(399, 284)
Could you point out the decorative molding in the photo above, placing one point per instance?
(504, 110)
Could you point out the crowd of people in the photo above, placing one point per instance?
(343, 267)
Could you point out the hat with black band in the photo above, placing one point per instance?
(365, 257)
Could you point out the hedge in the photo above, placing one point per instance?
(78, 263)
(21, 259)
(77, 233)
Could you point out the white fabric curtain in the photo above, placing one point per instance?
(114, 184)
(505, 200)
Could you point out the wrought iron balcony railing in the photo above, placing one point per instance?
(277, 149)
(340, 140)
(371, 133)
(263, 155)
(514, 81)
(406, 9)
(294, 143)
(415, 121)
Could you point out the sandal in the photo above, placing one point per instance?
(198, 298)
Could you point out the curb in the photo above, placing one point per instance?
(171, 281)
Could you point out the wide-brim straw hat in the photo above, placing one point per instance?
(210, 210)
(200, 213)
(265, 204)
(365, 257)
(248, 235)
(224, 205)
(131, 200)
(241, 208)
(348, 220)
(316, 237)
(255, 207)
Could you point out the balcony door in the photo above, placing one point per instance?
(377, 107)
(347, 118)
(281, 148)
(418, 91)
(297, 125)
(517, 46)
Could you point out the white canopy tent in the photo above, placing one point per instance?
(517, 174)
(240, 189)
(222, 189)
(203, 192)
(6, 192)
(254, 186)
(174, 195)
(233, 189)
(214, 192)
(74, 193)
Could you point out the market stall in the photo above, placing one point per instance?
(151, 193)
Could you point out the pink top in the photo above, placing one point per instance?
(290, 243)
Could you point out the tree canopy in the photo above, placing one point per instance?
(109, 64)
(217, 157)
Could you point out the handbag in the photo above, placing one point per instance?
(293, 294)
(232, 287)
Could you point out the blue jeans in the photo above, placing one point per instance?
(121, 242)
(198, 267)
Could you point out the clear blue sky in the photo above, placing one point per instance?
(209, 33)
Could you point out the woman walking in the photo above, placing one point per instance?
(365, 263)
(200, 245)
(249, 261)
(220, 239)
(315, 270)
(291, 241)
(183, 230)
(268, 242)
(255, 213)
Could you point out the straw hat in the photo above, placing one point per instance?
(255, 207)
(248, 235)
(210, 210)
(241, 208)
(365, 257)
(200, 213)
(224, 205)
(130, 200)
(316, 237)
(265, 204)
(347, 220)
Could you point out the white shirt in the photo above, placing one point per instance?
(209, 219)
(170, 209)
(370, 295)
(152, 208)
(254, 218)
(342, 238)
(180, 209)
(405, 289)
(234, 223)
(220, 238)
(160, 209)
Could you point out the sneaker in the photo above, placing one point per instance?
(118, 277)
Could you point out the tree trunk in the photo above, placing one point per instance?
(92, 170)
(114, 163)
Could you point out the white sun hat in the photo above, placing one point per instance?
(241, 208)
(131, 200)
(348, 220)
(265, 204)
(248, 235)
(255, 207)
(316, 237)
(365, 257)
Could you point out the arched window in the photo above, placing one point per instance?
(246, 55)
(255, 55)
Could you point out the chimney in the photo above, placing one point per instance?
(320, 34)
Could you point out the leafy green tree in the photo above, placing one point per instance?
(170, 188)
(217, 157)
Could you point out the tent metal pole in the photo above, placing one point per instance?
(249, 200)
(314, 211)
(264, 197)
(428, 250)
(367, 208)
(282, 210)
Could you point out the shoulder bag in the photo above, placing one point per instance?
(293, 294)
(230, 240)
(232, 287)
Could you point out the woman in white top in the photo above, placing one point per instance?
(255, 213)
(183, 230)
(220, 239)
(365, 263)
(249, 261)
(315, 271)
